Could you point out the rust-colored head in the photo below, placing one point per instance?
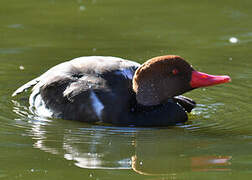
(167, 76)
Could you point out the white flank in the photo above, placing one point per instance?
(40, 107)
(96, 104)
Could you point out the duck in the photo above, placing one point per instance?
(113, 90)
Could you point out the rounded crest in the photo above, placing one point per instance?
(161, 78)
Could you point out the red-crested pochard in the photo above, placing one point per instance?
(118, 91)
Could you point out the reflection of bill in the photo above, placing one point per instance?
(146, 151)
(210, 163)
(201, 163)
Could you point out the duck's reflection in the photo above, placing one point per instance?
(147, 151)
(102, 150)
(94, 149)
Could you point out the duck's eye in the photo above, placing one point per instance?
(175, 71)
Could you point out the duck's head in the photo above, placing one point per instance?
(161, 78)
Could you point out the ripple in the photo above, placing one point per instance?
(12, 50)
(16, 26)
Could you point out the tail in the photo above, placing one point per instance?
(26, 86)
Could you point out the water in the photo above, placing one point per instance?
(215, 37)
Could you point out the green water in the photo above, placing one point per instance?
(216, 143)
